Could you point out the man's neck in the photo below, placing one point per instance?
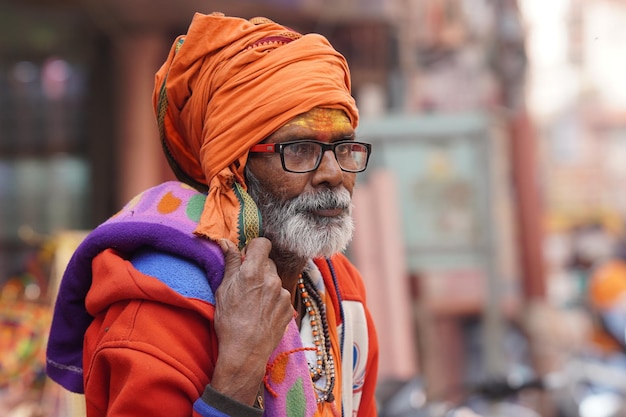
(289, 267)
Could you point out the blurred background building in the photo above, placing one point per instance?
(498, 126)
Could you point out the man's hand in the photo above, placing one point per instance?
(252, 310)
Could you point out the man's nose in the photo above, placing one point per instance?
(329, 170)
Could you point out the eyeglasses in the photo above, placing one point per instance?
(306, 155)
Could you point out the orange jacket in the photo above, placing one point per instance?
(151, 351)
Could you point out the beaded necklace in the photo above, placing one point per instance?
(324, 364)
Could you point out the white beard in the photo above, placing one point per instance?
(292, 226)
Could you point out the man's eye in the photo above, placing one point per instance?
(343, 149)
(300, 149)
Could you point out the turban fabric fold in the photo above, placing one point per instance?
(228, 84)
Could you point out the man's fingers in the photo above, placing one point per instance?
(257, 253)
(258, 249)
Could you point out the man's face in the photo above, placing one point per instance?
(307, 214)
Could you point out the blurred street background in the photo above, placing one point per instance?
(494, 192)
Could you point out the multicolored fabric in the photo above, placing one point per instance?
(227, 85)
(162, 219)
(140, 224)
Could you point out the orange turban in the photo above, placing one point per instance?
(228, 84)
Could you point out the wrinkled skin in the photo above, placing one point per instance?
(254, 310)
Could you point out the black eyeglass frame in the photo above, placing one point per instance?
(279, 149)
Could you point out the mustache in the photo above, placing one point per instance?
(326, 199)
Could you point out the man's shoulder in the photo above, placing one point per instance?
(169, 202)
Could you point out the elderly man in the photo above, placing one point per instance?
(226, 294)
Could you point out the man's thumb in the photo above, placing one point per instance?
(232, 256)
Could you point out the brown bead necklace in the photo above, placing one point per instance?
(324, 364)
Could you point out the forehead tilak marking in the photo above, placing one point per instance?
(323, 121)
